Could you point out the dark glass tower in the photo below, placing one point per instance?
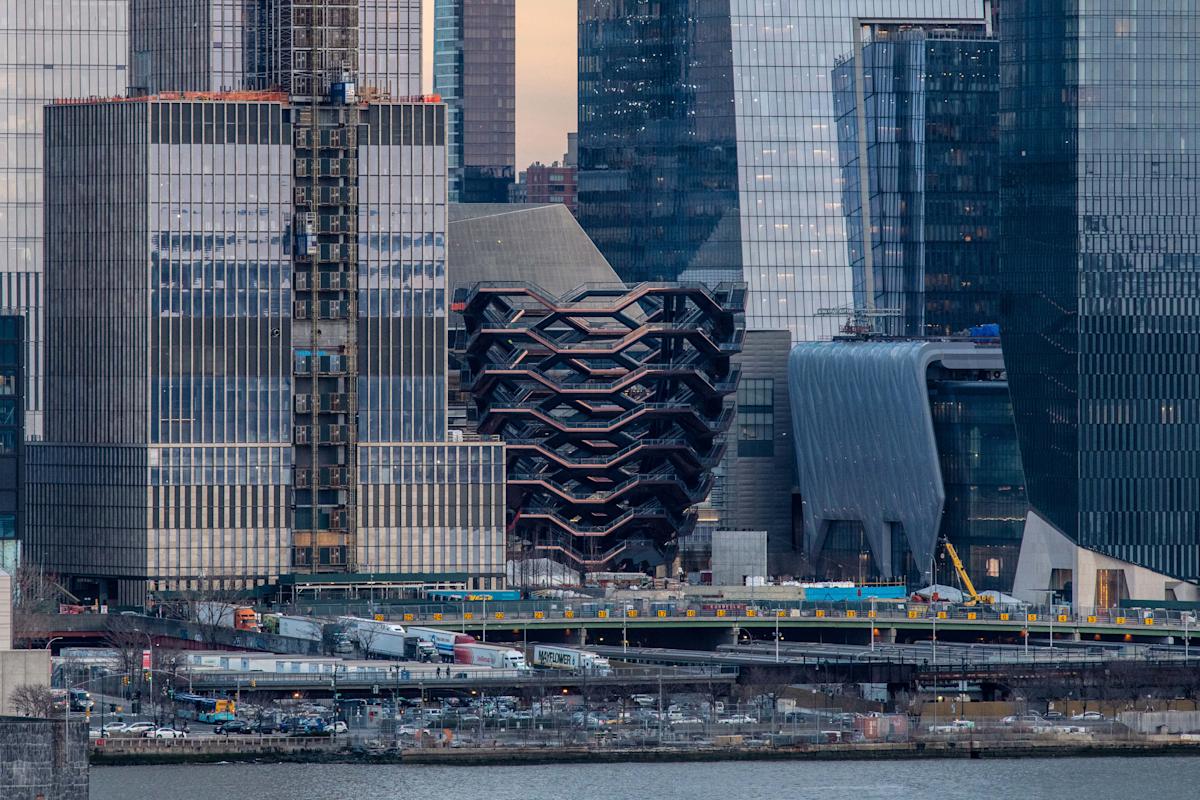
(475, 72)
(985, 506)
(658, 183)
(918, 138)
(1100, 114)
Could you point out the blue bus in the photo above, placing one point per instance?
(209, 710)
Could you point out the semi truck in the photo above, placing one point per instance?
(308, 628)
(387, 639)
(443, 641)
(224, 615)
(294, 627)
(557, 657)
(489, 655)
(375, 637)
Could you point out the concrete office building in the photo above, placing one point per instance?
(708, 146)
(900, 444)
(919, 141)
(48, 49)
(17, 667)
(738, 556)
(1101, 267)
(475, 73)
(757, 477)
(249, 363)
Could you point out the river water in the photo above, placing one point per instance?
(1030, 779)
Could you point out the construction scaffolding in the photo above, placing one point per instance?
(319, 62)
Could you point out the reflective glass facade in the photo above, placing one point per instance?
(984, 511)
(658, 139)
(12, 439)
(229, 45)
(708, 141)
(475, 73)
(48, 49)
(918, 136)
(1100, 116)
(175, 359)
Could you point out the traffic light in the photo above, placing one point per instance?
(125, 680)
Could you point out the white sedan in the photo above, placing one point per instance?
(165, 733)
(139, 728)
(113, 727)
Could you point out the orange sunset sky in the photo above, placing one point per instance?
(546, 69)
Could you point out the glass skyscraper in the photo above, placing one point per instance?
(248, 333)
(708, 143)
(228, 45)
(918, 135)
(1100, 109)
(48, 49)
(12, 440)
(475, 73)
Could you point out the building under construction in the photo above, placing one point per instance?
(612, 403)
(248, 315)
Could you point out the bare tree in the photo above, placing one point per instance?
(364, 637)
(331, 636)
(35, 592)
(33, 700)
(210, 607)
(128, 641)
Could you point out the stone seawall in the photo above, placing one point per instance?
(324, 751)
(36, 759)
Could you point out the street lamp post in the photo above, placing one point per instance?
(934, 618)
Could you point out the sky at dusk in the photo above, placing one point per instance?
(546, 70)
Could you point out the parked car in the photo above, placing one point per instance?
(738, 719)
(1054, 715)
(1030, 718)
(337, 726)
(265, 727)
(109, 728)
(237, 726)
(165, 733)
(1090, 716)
(687, 721)
(957, 726)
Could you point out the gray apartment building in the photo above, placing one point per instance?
(48, 49)
(249, 338)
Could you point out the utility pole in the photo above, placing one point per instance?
(660, 707)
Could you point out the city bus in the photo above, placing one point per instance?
(209, 710)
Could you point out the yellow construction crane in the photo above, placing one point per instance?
(968, 586)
